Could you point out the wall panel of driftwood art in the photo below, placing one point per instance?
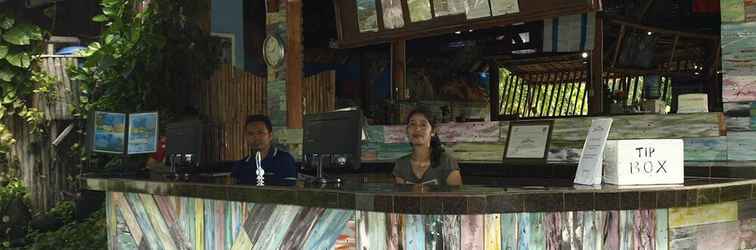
(232, 94)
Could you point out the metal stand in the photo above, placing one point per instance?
(320, 175)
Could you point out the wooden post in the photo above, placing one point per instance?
(276, 93)
(399, 70)
(596, 94)
(493, 89)
(294, 64)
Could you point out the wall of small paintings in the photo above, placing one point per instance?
(738, 50)
(393, 11)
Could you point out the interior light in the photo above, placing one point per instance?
(584, 54)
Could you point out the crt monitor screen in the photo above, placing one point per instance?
(334, 133)
(185, 137)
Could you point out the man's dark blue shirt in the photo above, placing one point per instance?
(279, 166)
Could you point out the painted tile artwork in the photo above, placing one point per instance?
(503, 7)
(450, 132)
(732, 11)
(367, 15)
(448, 7)
(392, 14)
(477, 9)
(419, 10)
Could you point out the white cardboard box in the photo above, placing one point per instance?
(644, 162)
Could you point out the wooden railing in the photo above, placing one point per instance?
(560, 94)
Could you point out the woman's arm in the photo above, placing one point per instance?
(398, 180)
(454, 178)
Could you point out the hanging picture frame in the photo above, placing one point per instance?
(367, 15)
(393, 16)
(419, 10)
(504, 7)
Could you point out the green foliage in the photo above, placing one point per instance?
(142, 57)
(89, 234)
(13, 189)
(19, 40)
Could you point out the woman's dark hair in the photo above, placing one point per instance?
(435, 143)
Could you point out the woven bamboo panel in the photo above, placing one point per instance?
(230, 95)
(319, 92)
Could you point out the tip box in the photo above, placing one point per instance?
(643, 162)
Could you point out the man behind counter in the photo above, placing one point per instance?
(279, 165)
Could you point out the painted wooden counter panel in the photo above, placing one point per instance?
(137, 221)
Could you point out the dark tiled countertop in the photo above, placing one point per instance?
(504, 195)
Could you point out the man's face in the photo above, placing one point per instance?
(258, 137)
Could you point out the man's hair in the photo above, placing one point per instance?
(260, 118)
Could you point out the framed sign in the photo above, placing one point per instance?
(528, 142)
(109, 132)
(123, 133)
(228, 47)
(143, 133)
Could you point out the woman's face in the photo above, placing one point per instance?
(419, 130)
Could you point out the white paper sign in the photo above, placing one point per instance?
(692, 103)
(528, 141)
(644, 162)
(589, 167)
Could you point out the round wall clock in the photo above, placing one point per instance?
(273, 51)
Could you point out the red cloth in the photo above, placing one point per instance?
(705, 6)
(159, 154)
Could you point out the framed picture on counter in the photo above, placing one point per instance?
(528, 142)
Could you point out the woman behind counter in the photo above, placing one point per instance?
(428, 163)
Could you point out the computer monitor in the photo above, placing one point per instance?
(333, 139)
(186, 138)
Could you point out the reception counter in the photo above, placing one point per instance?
(522, 213)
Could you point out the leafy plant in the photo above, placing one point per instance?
(89, 234)
(143, 57)
(12, 190)
(19, 79)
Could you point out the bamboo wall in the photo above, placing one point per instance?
(227, 98)
(319, 92)
(230, 95)
(45, 168)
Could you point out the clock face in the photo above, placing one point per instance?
(273, 51)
